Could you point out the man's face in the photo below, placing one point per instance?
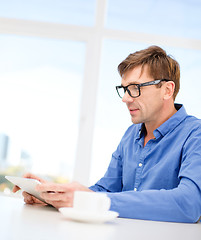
(147, 107)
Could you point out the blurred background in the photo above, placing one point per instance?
(60, 115)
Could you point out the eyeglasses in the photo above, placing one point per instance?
(134, 89)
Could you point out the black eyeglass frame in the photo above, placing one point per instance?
(155, 82)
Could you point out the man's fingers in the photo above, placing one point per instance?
(29, 199)
(30, 175)
(56, 196)
(65, 187)
(52, 187)
(15, 189)
(60, 204)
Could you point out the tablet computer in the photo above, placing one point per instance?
(26, 184)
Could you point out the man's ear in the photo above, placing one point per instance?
(169, 89)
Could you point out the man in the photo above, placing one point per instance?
(155, 173)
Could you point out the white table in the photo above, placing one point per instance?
(27, 222)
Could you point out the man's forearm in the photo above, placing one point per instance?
(182, 204)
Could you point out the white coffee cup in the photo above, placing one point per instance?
(91, 202)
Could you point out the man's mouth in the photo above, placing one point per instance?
(133, 110)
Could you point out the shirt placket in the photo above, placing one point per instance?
(140, 164)
(139, 172)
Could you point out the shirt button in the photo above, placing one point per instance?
(135, 189)
(140, 164)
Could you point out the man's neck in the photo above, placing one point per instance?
(150, 127)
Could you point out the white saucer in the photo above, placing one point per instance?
(83, 216)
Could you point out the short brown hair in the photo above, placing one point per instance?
(160, 65)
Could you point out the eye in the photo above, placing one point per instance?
(133, 87)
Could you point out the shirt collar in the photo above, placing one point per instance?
(172, 122)
(168, 125)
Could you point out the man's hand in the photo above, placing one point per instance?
(60, 195)
(29, 199)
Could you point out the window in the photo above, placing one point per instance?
(170, 18)
(40, 91)
(189, 94)
(75, 12)
(58, 71)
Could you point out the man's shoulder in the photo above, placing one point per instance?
(185, 119)
(190, 127)
(192, 122)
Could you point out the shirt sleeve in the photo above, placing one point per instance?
(181, 204)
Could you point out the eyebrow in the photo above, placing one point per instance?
(130, 83)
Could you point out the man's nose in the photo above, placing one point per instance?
(127, 97)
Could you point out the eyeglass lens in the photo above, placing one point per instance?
(132, 90)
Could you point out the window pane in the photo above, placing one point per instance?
(112, 116)
(189, 94)
(176, 18)
(40, 89)
(76, 12)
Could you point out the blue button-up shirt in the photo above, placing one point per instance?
(161, 181)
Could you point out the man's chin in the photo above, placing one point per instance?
(135, 120)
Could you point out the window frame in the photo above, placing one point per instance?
(93, 36)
